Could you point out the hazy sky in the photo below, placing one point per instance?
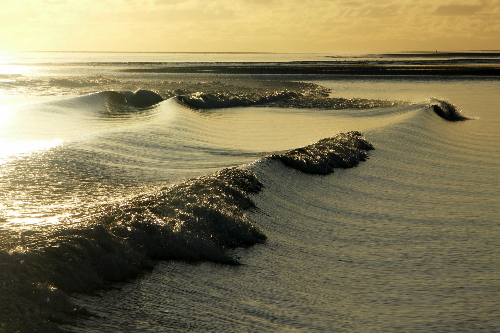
(249, 25)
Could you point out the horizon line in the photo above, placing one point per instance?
(254, 52)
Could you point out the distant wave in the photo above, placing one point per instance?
(283, 98)
(199, 100)
(446, 110)
(110, 103)
(139, 99)
(212, 101)
(121, 100)
(194, 94)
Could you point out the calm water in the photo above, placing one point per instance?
(405, 242)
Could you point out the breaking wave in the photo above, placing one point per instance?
(446, 110)
(213, 101)
(342, 151)
(198, 220)
(115, 101)
(138, 99)
(285, 98)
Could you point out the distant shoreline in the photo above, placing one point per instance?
(495, 53)
(329, 69)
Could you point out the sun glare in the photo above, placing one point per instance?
(10, 147)
(14, 70)
(4, 114)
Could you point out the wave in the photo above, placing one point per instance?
(82, 85)
(214, 101)
(285, 98)
(447, 110)
(139, 99)
(116, 100)
(342, 151)
(289, 99)
(198, 220)
(126, 102)
(196, 94)
(105, 104)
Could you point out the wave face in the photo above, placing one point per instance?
(138, 99)
(198, 220)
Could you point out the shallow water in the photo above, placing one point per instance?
(405, 242)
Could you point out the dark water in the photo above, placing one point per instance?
(188, 205)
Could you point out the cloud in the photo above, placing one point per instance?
(459, 10)
(247, 25)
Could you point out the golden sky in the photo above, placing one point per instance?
(249, 25)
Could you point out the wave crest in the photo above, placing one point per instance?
(344, 150)
(446, 110)
(138, 99)
(285, 98)
(200, 100)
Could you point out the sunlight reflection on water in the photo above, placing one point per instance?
(12, 148)
(15, 69)
(12, 144)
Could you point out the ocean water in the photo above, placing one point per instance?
(249, 192)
